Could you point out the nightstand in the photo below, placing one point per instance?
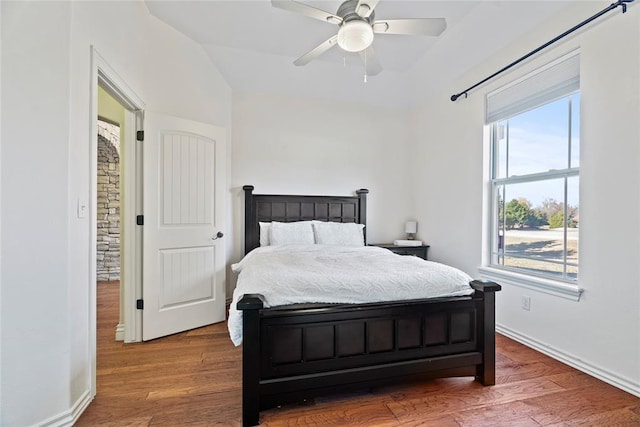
(419, 251)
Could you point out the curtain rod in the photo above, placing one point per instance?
(622, 3)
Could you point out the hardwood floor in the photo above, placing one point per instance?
(193, 379)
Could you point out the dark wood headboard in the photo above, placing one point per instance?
(291, 208)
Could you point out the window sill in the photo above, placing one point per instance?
(547, 286)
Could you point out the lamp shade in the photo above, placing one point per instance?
(354, 36)
(411, 227)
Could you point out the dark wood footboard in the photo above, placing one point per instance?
(302, 351)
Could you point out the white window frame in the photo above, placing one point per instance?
(562, 287)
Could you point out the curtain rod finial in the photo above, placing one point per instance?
(623, 3)
(454, 97)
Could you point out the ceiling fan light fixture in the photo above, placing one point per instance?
(354, 36)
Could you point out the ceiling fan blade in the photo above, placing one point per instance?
(418, 26)
(294, 6)
(370, 59)
(365, 7)
(317, 51)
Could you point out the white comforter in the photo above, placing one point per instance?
(334, 274)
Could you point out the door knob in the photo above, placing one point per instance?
(218, 235)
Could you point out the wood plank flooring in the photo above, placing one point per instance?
(194, 379)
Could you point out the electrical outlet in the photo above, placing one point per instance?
(526, 302)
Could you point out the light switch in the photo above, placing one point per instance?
(83, 208)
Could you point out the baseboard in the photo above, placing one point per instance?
(595, 371)
(120, 332)
(70, 417)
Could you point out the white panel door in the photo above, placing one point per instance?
(183, 261)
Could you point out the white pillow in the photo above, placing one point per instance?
(265, 230)
(291, 233)
(337, 233)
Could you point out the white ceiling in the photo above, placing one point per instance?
(254, 45)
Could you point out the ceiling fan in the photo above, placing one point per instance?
(357, 26)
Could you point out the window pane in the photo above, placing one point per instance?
(575, 130)
(532, 226)
(538, 139)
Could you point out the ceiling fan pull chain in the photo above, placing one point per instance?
(365, 66)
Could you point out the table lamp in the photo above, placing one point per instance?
(411, 228)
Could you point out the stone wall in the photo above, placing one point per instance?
(108, 218)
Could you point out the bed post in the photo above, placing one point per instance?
(486, 372)
(362, 209)
(250, 305)
(249, 219)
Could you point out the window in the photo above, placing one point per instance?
(535, 160)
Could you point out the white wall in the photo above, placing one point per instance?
(46, 167)
(35, 245)
(284, 145)
(601, 332)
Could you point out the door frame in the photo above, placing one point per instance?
(131, 203)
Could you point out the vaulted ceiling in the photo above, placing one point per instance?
(254, 45)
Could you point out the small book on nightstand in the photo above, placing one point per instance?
(407, 242)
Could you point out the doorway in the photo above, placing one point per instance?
(127, 263)
(111, 138)
(189, 158)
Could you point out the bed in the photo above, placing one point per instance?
(299, 351)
